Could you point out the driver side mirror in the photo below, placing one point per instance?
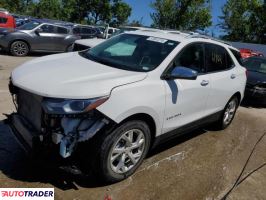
(180, 72)
(38, 31)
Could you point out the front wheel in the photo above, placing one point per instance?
(19, 48)
(123, 150)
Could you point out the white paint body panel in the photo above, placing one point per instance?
(72, 76)
(69, 75)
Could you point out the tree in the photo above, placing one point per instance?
(244, 20)
(115, 12)
(181, 14)
(121, 11)
(50, 9)
(137, 23)
(18, 6)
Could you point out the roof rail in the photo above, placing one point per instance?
(207, 37)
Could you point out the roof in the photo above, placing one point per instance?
(180, 36)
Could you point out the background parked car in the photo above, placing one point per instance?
(256, 83)
(84, 32)
(246, 53)
(37, 36)
(21, 20)
(7, 20)
(83, 44)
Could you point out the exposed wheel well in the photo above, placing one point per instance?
(19, 40)
(238, 95)
(146, 118)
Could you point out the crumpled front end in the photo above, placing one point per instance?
(37, 126)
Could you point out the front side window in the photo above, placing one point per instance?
(3, 20)
(191, 57)
(132, 52)
(217, 58)
(48, 28)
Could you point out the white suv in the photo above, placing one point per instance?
(109, 105)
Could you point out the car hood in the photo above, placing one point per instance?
(72, 76)
(90, 42)
(255, 78)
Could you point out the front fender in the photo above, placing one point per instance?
(143, 97)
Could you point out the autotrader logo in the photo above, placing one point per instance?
(27, 193)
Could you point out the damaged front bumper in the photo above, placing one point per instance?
(37, 130)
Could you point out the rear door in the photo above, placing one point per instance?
(44, 38)
(60, 38)
(223, 77)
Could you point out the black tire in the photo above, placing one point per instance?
(222, 124)
(103, 147)
(19, 48)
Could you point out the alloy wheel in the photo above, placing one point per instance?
(230, 111)
(20, 48)
(127, 151)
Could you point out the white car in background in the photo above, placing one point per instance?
(84, 44)
(108, 106)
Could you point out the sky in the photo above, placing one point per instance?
(141, 8)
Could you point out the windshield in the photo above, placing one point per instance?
(256, 64)
(29, 26)
(132, 52)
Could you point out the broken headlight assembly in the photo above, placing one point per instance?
(65, 106)
(77, 119)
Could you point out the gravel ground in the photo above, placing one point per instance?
(201, 165)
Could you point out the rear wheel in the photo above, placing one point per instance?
(19, 48)
(228, 113)
(122, 151)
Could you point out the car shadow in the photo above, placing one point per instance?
(16, 165)
(247, 103)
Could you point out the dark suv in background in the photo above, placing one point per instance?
(85, 32)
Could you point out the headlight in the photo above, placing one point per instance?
(69, 106)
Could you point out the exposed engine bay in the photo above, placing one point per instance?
(36, 121)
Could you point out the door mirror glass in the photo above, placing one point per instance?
(38, 30)
(181, 72)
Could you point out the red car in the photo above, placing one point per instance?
(246, 53)
(7, 21)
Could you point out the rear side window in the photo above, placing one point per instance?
(61, 30)
(217, 58)
(3, 20)
(237, 56)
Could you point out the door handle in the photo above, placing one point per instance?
(233, 76)
(204, 82)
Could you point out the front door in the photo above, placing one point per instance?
(186, 99)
